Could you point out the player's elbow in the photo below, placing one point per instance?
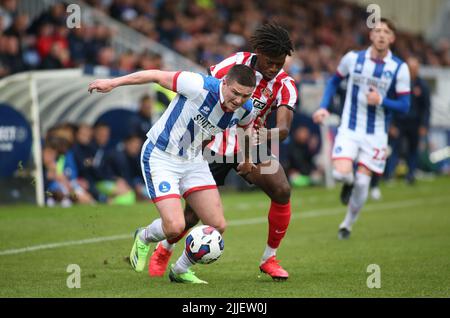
(283, 133)
(335, 80)
(406, 104)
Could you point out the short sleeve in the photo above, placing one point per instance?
(344, 66)
(188, 84)
(288, 94)
(248, 116)
(221, 69)
(403, 82)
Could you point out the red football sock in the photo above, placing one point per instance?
(179, 237)
(279, 217)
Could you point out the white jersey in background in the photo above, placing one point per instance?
(391, 78)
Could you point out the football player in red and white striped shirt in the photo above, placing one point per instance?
(275, 90)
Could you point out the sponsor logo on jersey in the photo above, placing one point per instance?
(206, 125)
(258, 104)
(381, 86)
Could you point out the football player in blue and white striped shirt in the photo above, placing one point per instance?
(378, 83)
(171, 159)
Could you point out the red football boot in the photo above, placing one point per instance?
(273, 269)
(159, 261)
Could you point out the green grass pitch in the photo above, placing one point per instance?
(407, 234)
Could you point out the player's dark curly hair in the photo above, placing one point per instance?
(272, 40)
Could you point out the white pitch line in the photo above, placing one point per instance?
(67, 243)
(251, 221)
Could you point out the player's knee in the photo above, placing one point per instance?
(174, 228)
(282, 193)
(221, 226)
(343, 167)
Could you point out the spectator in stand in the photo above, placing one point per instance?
(84, 153)
(59, 57)
(106, 57)
(124, 163)
(116, 189)
(141, 122)
(44, 40)
(55, 16)
(208, 31)
(60, 173)
(8, 12)
(412, 128)
(303, 147)
(10, 58)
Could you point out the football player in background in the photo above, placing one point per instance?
(378, 84)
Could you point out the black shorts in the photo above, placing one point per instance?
(220, 170)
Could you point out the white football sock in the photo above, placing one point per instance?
(167, 245)
(268, 252)
(347, 178)
(357, 199)
(183, 263)
(153, 233)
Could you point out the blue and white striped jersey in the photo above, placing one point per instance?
(195, 115)
(391, 78)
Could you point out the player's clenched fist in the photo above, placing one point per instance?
(373, 97)
(320, 115)
(101, 85)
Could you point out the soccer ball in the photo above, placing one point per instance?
(204, 244)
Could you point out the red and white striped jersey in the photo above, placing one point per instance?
(267, 96)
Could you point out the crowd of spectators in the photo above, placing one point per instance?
(83, 164)
(205, 31)
(79, 161)
(80, 165)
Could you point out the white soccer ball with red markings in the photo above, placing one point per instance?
(204, 244)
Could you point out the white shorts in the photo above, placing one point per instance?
(369, 151)
(169, 176)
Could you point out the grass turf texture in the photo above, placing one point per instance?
(407, 234)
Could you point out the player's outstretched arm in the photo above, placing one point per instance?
(163, 78)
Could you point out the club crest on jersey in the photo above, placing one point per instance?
(164, 187)
(358, 67)
(338, 149)
(387, 74)
(266, 92)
